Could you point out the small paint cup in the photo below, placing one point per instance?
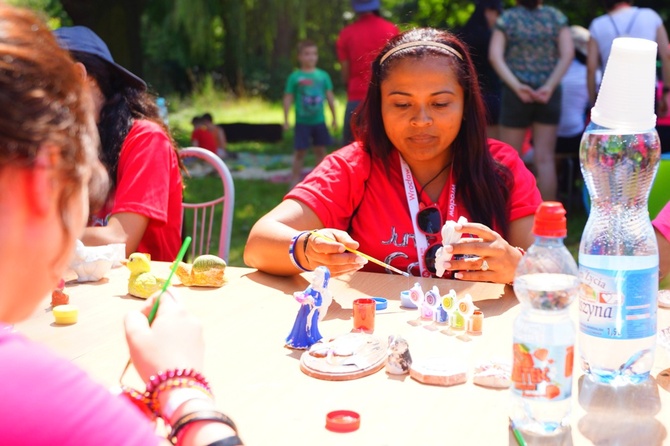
(475, 322)
(364, 315)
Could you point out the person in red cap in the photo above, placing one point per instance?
(357, 45)
(143, 209)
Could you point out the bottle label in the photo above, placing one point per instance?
(543, 372)
(618, 304)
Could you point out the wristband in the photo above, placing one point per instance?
(179, 397)
(230, 441)
(205, 415)
(291, 251)
(304, 245)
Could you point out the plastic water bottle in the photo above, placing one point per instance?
(618, 253)
(546, 283)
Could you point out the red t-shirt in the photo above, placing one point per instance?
(348, 180)
(46, 400)
(148, 182)
(201, 137)
(359, 43)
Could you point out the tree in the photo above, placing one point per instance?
(117, 22)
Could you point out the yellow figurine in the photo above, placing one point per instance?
(142, 283)
(207, 271)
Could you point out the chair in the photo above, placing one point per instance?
(200, 216)
(659, 194)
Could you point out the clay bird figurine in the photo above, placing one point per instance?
(142, 283)
(206, 271)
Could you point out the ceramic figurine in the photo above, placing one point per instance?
(206, 271)
(142, 283)
(314, 303)
(91, 263)
(58, 296)
(399, 360)
(416, 294)
(449, 237)
(431, 300)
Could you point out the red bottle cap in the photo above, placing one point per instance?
(343, 421)
(550, 220)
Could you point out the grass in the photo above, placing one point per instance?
(254, 198)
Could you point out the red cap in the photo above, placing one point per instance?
(550, 220)
(343, 421)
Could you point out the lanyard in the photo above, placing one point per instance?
(420, 239)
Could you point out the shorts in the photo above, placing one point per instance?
(492, 103)
(308, 135)
(514, 113)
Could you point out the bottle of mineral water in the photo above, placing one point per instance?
(546, 283)
(618, 253)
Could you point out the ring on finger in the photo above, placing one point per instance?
(485, 266)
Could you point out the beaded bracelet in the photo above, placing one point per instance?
(174, 379)
(204, 415)
(291, 251)
(160, 377)
(175, 383)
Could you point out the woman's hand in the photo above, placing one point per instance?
(525, 93)
(173, 341)
(543, 94)
(331, 253)
(494, 259)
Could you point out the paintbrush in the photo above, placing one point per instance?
(154, 307)
(365, 256)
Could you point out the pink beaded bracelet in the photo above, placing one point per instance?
(194, 375)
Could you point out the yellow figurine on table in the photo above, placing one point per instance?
(142, 283)
(206, 271)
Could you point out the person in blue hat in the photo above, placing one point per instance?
(143, 209)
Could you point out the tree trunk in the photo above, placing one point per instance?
(117, 22)
(235, 41)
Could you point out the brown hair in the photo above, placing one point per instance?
(45, 103)
(305, 44)
(482, 182)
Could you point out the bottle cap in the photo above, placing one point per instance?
(626, 96)
(550, 220)
(343, 421)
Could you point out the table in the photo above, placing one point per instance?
(259, 383)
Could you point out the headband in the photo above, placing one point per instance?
(420, 43)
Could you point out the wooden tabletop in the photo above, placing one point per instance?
(258, 382)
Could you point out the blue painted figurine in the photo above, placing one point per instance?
(314, 301)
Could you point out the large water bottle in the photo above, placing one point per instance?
(618, 254)
(546, 283)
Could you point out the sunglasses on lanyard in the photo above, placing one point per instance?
(429, 221)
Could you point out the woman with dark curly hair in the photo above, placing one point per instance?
(421, 158)
(143, 209)
(49, 172)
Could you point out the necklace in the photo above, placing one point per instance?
(423, 187)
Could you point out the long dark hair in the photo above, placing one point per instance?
(483, 183)
(123, 104)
